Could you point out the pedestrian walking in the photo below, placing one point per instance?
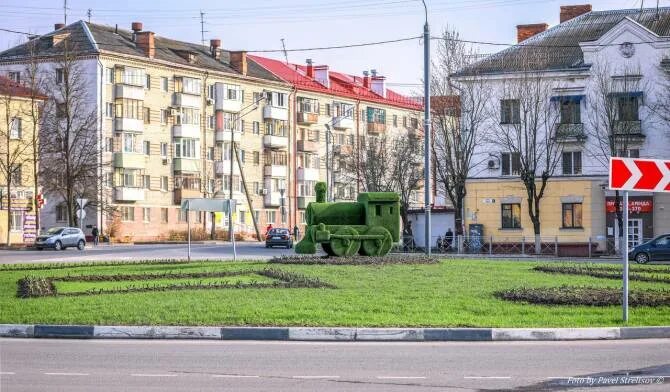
(96, 235)
(449, 238)
(296, 232)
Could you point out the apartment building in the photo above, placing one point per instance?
(169, 112)
(632, 46)
(18, 203)
(335, 113)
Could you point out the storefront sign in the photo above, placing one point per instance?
(634, 206)
(29, 228)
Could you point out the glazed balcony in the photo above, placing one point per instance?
(225, 136)
(272, 199)
(186, 130)
(307, 118)
(272, 141)
(129, 160)
(228, 105)
(275, 113)
(308, 146)
(342, 122)
(275, 170)
(376, 128)
(223, 167)
(181, 194)
(128, 125)
(343, 149)
(123, 193)
(307, 174)
(128, 91)
(187, 100)
(186, 164)
(303, 201)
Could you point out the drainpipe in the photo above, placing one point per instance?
(358, 146)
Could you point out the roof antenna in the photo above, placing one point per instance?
(283, 45)
(658, 15)
(89, 13)
(202, 28)
(65, 12)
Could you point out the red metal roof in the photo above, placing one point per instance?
(343, 85)
(13, 89)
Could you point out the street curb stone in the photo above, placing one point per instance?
(148, 332)
(350, 334)
(502, 334)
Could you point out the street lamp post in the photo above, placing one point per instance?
(426, 125)
(329, 170)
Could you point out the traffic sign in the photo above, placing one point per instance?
(82, 202)
(81, 214)
(633, 174)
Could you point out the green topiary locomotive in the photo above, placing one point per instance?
(369, 226)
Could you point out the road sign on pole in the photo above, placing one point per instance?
(82, 202)
(633, 174)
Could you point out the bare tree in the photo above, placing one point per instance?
(459, 112)
(526, 132)
(69, 142)
(615, 124)
(14, 146)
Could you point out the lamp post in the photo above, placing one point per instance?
(282, 203)
(426, 124)
(329, 170)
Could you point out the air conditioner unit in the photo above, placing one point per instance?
(210, 101)
(166, 161)
(493, 164)
(264, 191)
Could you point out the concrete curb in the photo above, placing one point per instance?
(331, 334)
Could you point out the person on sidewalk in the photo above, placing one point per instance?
(296, 232)
(96, 235)
(449, 238)
(268, 228)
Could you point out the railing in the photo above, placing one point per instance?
(567, 132)
(623, 128)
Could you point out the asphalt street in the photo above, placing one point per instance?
(99, 365)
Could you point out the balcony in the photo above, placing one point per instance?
(272, 141)
(303, 201)
(225, 136)
(187, 100)
(272, 199)
(275, 113)
(275, 170)
(343, 149)
(228, 105)
(376, 128)
(570, 133)
(306, 174)
(129, 91)
(122, 193)
(129, 160)
(628, 130)
(341, 122)
(128, 124)
(181, 194)
(186, 130)
(307, 118)
(223, 167)
(186, 165)
(308, 146)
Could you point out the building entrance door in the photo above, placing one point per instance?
(634, 232)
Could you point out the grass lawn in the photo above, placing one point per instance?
(454, 293)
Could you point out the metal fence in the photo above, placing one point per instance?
(519, 245)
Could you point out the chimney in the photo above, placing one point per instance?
(145, 41)
(378, 84)
(136, 27)
(310, 68)
(238, 61)
(322, 75)
(366, 79)
(59, 26)
(523, 32)
(572, 11)
(214, 45)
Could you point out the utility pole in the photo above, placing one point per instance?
(65, 12)
(89, 13)
(426, 126)
(283, 46)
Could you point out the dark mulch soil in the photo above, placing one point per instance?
(659, 276)
(588, 296)
(357, 260)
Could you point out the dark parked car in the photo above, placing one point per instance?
(657, 249)
(60, 238)
(279, 237)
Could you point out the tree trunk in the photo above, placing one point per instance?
(9, 209)
(538, 238)
(458, 217)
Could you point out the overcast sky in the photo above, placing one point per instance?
(261, 24)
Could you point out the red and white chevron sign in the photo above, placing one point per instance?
(632, 174)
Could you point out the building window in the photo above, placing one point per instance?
(129, 108)
(61, 212)
(414, 123)
(572, 215)
(133, 76)
(395, 120)
(257, 187)
(570, 112)
(109, 109)
(510, 111)
(572, 162)
(17, 176)
(210, 185)
(164, 150)
(376, 115)
(276, 99)
(511, 163)
(629, 153)
(327, 108)
(242, 156)
(511, 216)
(241, 126)
(109, 75)
(128, 214)
(15, 128)
(187, 85)
(257, 158)
(148, 82)
(308, 105)
(147, 147)
(404, 121)
(164, 84)
(109, 144)
(146, 182)
(182, 215)
(210, 153)
(628, 108)
(164, 116)
(270, 216)
(164, 183)
(59, 75)
(211, 122)
(16, 221)
(187, 148)
(256, 128)
(164, 215)
(188, 116)
(147, 115)
(108, 179)
(14, 76)
(146, 214)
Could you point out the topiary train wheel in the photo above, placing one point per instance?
(378, 247)
(345, 247)
(326, 248)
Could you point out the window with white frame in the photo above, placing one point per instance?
(308, 105)
(164, 150)
(230, 121)
(147, 147)
(127, 214)
(14, 76)
(188, 85)
(15, 131)
(232, 92)
(60, 75)
(276, 99)
(186, 148)
(133, 76)
(164, 183)
(164, 116)
(256, 128)
(109, 75)
(109, 144)
(146, 181)
(306, 188)
(188, 116)
(341, 109)
(146, 214)
(164, 84)
(16, 221)
(129, 108)
(211, 91)
(109, 109)
(511, 163)
(130, 142)
(572, 162)
(270, 216)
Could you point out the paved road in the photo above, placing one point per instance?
(245, 251)
(87, 365)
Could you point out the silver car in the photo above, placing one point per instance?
(61, 238)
